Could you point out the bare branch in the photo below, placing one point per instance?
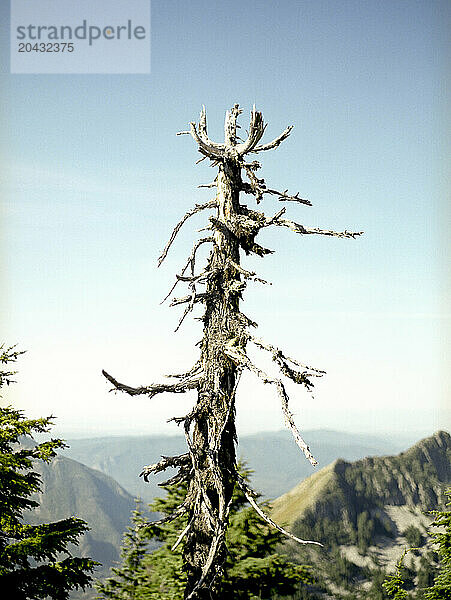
(245, 238)
(196, 278)
(165, 463)
(188, 308)
(284, 197)
(256, 131)
(234, 351)
(193, 371)
(184, 474)
(183, 533)
(250, 495)
(219, 536)
(208, 149)
(203, 131)
(190, 213)
(300, 377)
(258, 188)
(208, 185)
(276, 142)
(155, 388)
(191, 261)
(298, 228)
(198, 298)
(248, 274)
(230, 125)
(179, 511)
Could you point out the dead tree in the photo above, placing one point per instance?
(209, 466)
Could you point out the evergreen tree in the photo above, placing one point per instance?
(441, 588)
(31, 563)
(394, 584)
(129, 577)
(253, 568)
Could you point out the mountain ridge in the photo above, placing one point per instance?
(273, 456)
(366, 513)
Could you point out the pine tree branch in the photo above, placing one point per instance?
(153, 389)
(190, 213)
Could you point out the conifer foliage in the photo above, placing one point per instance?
(34, 560)
(128, 579)
(440, 589)
(253, 568)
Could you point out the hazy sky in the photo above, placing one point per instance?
(94, 177)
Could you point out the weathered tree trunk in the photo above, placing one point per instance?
(209, 466)
(214, 436)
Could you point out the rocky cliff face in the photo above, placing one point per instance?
(367, 512)
(416, 479)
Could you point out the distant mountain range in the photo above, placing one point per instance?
(357, 504)
(72, 489)
(366, 512)
(277, 462)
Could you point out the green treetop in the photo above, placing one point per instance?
(441, 588)
(34, 560)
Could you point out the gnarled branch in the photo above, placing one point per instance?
(207, 149)
(256, 131)
(258, 188)
(198, 298)
(234, 351)
(301, 377)
(190, 213)
(182, 460)
(301, 229)
(190, 262)
(203, 131)
(153, 389)
(276, 142)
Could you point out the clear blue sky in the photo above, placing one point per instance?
(94, 178)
